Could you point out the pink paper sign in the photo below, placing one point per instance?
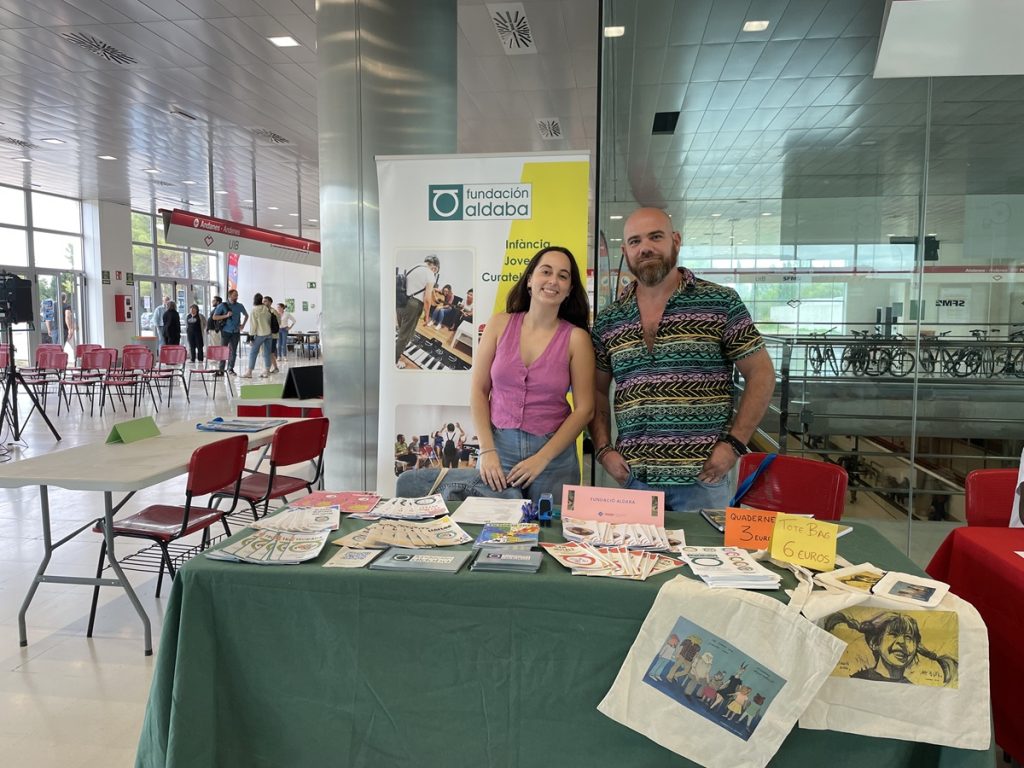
(614, 505)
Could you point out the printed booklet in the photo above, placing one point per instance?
(441, 532)
(272, 548)
(302, 520)
(729, 567)
(397, 559)
(630, 535)
(512, 536)
(349, 502)
(422, 508)
(498, 560)
(616, 562)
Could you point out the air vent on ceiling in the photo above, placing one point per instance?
(513, 28)
(664, 123)
(18, 142)
(273, 138)
(97, 46)
(159, 183)
(181, 113)
(549, 127)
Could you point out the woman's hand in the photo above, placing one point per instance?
(526, 471)
(615, 466)
(489, 465)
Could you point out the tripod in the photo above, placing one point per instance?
(12, 376)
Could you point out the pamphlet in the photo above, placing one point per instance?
(348, 502)
(616, 562)
(301, 520)
(351, 558)
(716, 517)
(729, 567)
(239, 425)
(630, 535)
(440, 532)
(421, 508)
(479, 510)
(515, 536)
(398, 559)
(502, 560)
(272, 548)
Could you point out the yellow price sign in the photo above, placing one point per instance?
(805, 541)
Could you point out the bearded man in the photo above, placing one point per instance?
(670, 343)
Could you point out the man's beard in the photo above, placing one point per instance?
(651, 272)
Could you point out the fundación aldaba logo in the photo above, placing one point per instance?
(475, 202)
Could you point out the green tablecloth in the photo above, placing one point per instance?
(291, 666)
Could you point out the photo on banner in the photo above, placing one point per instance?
(434, 436)
(443, 340)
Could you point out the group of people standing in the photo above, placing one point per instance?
(670, 344)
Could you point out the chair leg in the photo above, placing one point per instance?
(164, 562)
(96, 589)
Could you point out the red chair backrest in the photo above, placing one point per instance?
(989, 497)
(44, 349)
(94, 360)
(217, 465)
(56, 359)
(217, 352)
(137, 359)
(299, 441)
(5, 356)
(793, 484)
(173, 354)
(111, 354)
(81, 349)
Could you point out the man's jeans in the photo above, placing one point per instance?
(230, 340)
(689, 498)
(457, 485)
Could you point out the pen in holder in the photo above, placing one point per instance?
(529, 513)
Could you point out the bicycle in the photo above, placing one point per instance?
(821, 353)
(866, 359)
(958, 362)
(901, 359)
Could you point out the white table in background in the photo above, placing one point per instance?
(114, 468)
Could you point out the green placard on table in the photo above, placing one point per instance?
(261, 391)
(136, 429)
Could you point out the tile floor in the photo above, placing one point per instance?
(74, 702)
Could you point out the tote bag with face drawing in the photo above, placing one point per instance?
(907, 673)
(720, 676)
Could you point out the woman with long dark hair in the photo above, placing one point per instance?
(530, 356)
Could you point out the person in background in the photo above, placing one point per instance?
(158, 323)
(260, 334)
(67, 318)
(419, 288)
(234, 318)
(212, 328)
(287, 322)
(275, 329)
(444, 300)
(529, 358)
(172, 325)
(195, 327)
(670, 344)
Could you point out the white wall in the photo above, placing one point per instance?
(283, 281)
(107, 247)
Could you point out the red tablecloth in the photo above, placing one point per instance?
(982, 566)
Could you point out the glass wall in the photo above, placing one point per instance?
(41, 239)
(869, 225)
(188, 275)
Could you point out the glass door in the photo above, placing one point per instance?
(60, 315)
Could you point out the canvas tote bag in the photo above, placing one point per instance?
(720, 676)
(908, 673)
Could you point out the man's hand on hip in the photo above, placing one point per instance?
(615, 466)
(721, 460)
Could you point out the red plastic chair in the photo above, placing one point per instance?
(171, 366)
(51, 364)
(989, 497)
(215, 354)
(211, 468)
(132, 378)
(88, 377)
(796, 485)
(294, 443)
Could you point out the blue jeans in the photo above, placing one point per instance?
(689, 498)
(282, 343)
(457, 485)
(254, 347)
(514, 445)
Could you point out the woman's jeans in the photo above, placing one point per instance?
(457, 485)
(514, 445)
(257, 342)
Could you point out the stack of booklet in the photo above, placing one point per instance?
(287, 537)
(729, 567)
(422, 508)
(441, 532)
(398, 559)
(628, 535)
(502, 560)
(617, 562)
(510, 536)
(349, 502)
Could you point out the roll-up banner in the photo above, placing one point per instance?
(482, 218)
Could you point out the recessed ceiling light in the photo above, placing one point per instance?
(766, 213)
(150, 170)
(930, 234)
(615, 240)
(312, 221)
(279, 225)
(106, 157)
(715, 215)
(614, 31)
(23, 159)
(614, 218)
(891, 234)
(220, 192)
(755, 26)
(247, 201)
(286, 41)
(293, 214)
(272, 208)
(188, 182)
(52, 141)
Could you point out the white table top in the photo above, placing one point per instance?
(312, 402)
(119, 466)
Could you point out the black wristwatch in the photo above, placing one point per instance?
(739, 448)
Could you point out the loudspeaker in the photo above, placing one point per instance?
(16, 299)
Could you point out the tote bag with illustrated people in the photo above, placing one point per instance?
(907, 673)
(720, 676)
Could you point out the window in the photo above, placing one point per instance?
(56, 251)
(59, 213)
(142, 259)
(142, 228)
(13, 246)
(12, 209)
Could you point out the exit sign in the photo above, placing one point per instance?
(311, 285)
